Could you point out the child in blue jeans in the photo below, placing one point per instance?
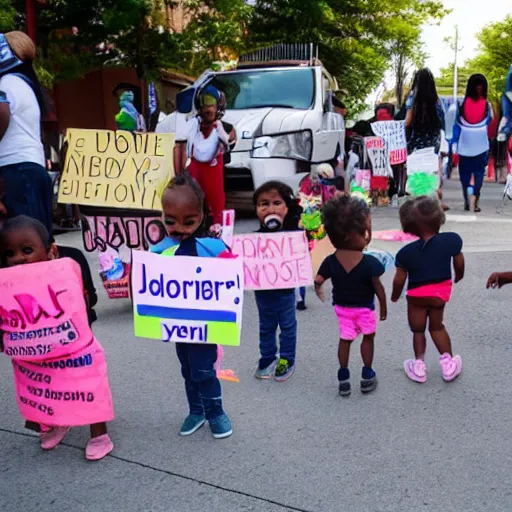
(185, 216)
(277, 210)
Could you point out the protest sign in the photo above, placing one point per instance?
(377, 154)
(393, 134)
(71, 391)
(187, 299)
(113, 233)
(42, 310)
(423, 160)
(116, 169)
(274, 260)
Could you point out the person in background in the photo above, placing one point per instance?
(129, 118)
(425, 118)
(28, 187)
(339, 107)
(471, 135)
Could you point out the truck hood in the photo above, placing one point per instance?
(256, 122)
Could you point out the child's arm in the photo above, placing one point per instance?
(499, 279)
(459, 267)
(381, 295)
(398, 283)
(319, 281)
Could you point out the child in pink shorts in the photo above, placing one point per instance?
(356, 281)
(427, 266)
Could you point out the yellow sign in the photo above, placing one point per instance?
(116, 169)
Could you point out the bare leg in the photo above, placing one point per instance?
(344, 352)
(367, 349)
(418, 314)
(98, 429)
(438, 331)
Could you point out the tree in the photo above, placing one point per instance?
(7, 16)
(356, 39)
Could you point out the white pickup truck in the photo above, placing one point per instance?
(279, 100)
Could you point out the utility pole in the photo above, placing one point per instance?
(30, 7)
(455, 64)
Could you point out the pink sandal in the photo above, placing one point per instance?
(53, 437)
(451, 367)
(416, 370)
(98, 447)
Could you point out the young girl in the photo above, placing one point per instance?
(356, 281)
(24, 240)
(184, 210)
(277, 210)
(427, 264)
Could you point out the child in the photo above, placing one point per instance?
(356, 280)
(427, 264)
(24, 240)
(184, 211)
(277, 210)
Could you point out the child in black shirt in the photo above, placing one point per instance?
(427, 265)
(356, 280)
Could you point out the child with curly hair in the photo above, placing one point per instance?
(427, 265)
(356, 281)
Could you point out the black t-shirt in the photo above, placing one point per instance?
(352, 289)
(78, 256)
(431, 261)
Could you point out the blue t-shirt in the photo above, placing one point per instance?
(431, 261)
(202, 247)
(352, 289)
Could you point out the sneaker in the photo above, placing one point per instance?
(416, 370)
(267, 372)
(368, 381)
(221, 427)
(301, 305)
(284, 370)
(98, 447)
(451, 366)
(192, 423)
(344, 388)
(52, 438)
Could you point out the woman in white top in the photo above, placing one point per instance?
(27, 185)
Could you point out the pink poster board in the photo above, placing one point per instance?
(274, 261)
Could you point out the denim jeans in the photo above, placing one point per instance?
(202, 386)
(277, 308)
(472, 166)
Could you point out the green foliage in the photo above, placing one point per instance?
(7, 16)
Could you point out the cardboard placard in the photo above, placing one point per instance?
(393, 134)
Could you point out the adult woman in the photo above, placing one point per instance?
(471, 133)
(425, 117)
(28, 188)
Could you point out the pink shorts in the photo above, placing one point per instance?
(441, 291)
(355, 321)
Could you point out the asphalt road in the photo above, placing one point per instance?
(297, 446)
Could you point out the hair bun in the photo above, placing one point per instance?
(21, 45)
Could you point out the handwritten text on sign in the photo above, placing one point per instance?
(378, 156)
(71, 391)
(113, 238)
(187, 299)
(274, 260)
(116, 169)
(393, 133)
(42, 310)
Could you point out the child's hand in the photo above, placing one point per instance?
(383, 313)
(320, 293)
(495, 280)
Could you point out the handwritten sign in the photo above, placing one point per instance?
(424, 161)
(113, 234)
(187, 299)
(274, 260)
(378, 156)
(71, 391)
(116, 169)
(42, 310)
(393, 134)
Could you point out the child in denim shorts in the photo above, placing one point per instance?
(356, 280)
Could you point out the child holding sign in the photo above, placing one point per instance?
(185, 216)
(277, 210)
(24, 240)
(355, 278)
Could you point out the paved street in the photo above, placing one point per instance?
(297, 446)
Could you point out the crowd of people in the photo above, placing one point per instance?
(192, 205)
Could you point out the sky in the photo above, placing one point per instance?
(471, 16)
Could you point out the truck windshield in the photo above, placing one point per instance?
(285, 88)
